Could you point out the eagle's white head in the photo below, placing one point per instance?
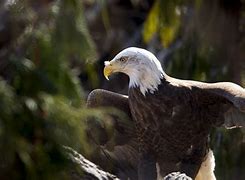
(142, 67)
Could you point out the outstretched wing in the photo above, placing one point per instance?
(104, 98)
(118, 150)
(232, 99)
(120, 121)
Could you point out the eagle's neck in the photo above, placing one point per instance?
(146, 78)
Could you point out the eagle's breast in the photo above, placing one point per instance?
(169, 121)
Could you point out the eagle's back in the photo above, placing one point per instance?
(174, 119)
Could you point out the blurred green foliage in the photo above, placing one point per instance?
(42, 101)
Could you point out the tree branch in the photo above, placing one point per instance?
(86, 170)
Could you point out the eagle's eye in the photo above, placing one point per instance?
(122, 59)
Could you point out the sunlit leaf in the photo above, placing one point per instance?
(151, 24)
(164, 21)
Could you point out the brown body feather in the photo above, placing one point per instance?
(174, 122)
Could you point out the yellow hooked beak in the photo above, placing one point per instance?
(108, 70)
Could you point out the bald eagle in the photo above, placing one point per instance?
(172, 117)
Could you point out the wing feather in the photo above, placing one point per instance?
(119, 151)
(233, 109)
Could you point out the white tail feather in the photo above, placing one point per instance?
(206, 171)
